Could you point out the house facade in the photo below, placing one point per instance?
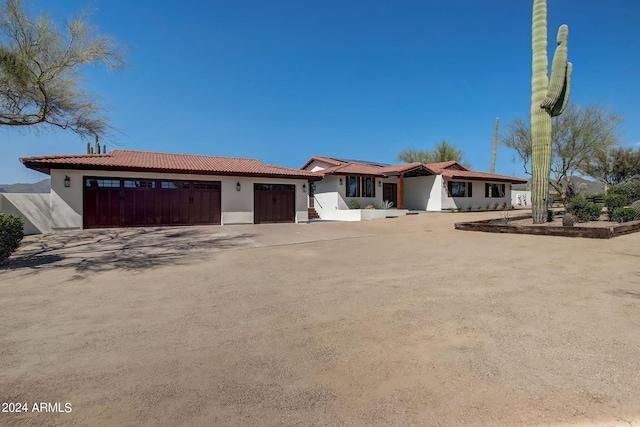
(137, 188)
(435, 187)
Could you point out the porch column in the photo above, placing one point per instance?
(401, 192)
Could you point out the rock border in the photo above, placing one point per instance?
(490, 226)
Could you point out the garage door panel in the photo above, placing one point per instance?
(274, 203)
(114, 202)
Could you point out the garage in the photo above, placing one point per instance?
(128, 202)
(274, 203)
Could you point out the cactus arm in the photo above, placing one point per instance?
(559, 107)
(558, 70)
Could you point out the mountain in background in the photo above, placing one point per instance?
(43, 186)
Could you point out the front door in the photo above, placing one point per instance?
(390, 193)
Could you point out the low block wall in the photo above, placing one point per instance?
(33, 208)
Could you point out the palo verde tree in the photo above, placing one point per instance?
(39, 72)
(548, 99)
(613, 166)
(442, 152)
(578, 138)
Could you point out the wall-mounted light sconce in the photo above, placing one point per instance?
(238, 186)
(379, 183)
(340, 181)
(67, 181)
(304, 188)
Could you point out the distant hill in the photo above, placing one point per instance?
(43, 186)
(579, 184)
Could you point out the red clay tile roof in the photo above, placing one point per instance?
(450, 169)
(415, 167)
(145, 161)
(451, 164)
(329, 160)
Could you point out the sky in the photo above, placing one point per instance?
(283, 80)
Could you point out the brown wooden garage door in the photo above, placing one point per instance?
(117, 202)
(274, 203)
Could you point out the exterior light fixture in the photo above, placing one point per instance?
(340, 181)
(67, 181)
(379, 183)
(238, 186)
(304, 188)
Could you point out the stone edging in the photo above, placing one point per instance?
(489, 226)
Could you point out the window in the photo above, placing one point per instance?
(494, 190)
(352, 186)
(460, 189)
(175, 184)
(99, 182)
(361, 186)
(206, 186)
(129, 183)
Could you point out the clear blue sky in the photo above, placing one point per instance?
(283, 80)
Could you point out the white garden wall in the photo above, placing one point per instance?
(33, 208)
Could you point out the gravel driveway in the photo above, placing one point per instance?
(400, 321)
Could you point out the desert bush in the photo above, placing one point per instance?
(583, 210)
(613, 201)
(568, 220)
(631, 189)
(636, 205)
(10, 234)
(625, 214)
(354, 204)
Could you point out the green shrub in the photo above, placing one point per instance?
(636, 205)
(631, 189)
(354, 204)
(10, 234)
(583, 210)
(613, 201)
(625, 214)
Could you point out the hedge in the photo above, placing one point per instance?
(10, 234)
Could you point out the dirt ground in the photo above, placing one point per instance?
(400, 321)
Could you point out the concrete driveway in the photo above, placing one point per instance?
(143, 248)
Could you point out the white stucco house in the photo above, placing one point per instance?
(139, 188)
(127, 188)
(431, 187)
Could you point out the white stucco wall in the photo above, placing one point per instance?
(418, 192)
(478, 200)
(33, 208)
(236, 206)
(317, 165)
(330, 196)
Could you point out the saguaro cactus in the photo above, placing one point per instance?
(495, 146)
(548, 99)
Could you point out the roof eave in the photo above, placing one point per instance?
(47, 169)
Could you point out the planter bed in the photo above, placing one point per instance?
(593, 230)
